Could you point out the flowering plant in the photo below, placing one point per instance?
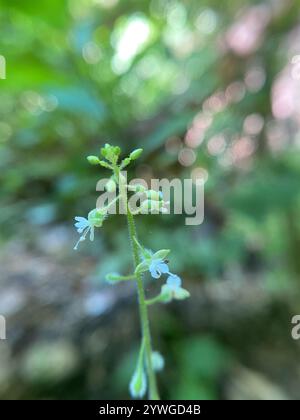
(144, 260)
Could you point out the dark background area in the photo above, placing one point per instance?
(209, 90)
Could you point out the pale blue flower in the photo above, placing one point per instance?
(81, 224)
(173, 290)
(153, 262)
(158, 267)
(85, 226)
(173, 282)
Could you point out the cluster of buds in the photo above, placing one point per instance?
(111, 156)
(154, 202)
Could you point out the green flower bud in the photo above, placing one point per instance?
(158, 362)
(136, 154)
(117, 150)
(97, 216)
(93, 160)
(111, 186)
(125, 162)
(140, 188)
(110, 153)
(138, 383)
(152, 205)
(105, 150)
(154, 195)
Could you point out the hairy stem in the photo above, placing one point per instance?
(153, 392)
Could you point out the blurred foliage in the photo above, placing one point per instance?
(193, 83)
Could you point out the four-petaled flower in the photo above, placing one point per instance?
(158, 267)
(154, 263)
(173, 290)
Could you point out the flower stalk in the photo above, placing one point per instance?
(144, 260)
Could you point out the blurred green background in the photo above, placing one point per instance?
(209, 90)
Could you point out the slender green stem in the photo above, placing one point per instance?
(115, 278)
(153, 392)
(156, 299)
(123, 278)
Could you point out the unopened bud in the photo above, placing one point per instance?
(136, 154)
(111, 186)
(154, 195)
(93, 160)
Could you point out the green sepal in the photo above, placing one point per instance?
(161, 254)
(142, 267)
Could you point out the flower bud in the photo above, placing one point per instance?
(125, 162)
(97, 216)
(110, 153)
(154, 195)
(93, 160)
(135, 154)
(138, 188)
(117, 150)
(158, 362)
(152, 205)
(111, 186)
(138, 383)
